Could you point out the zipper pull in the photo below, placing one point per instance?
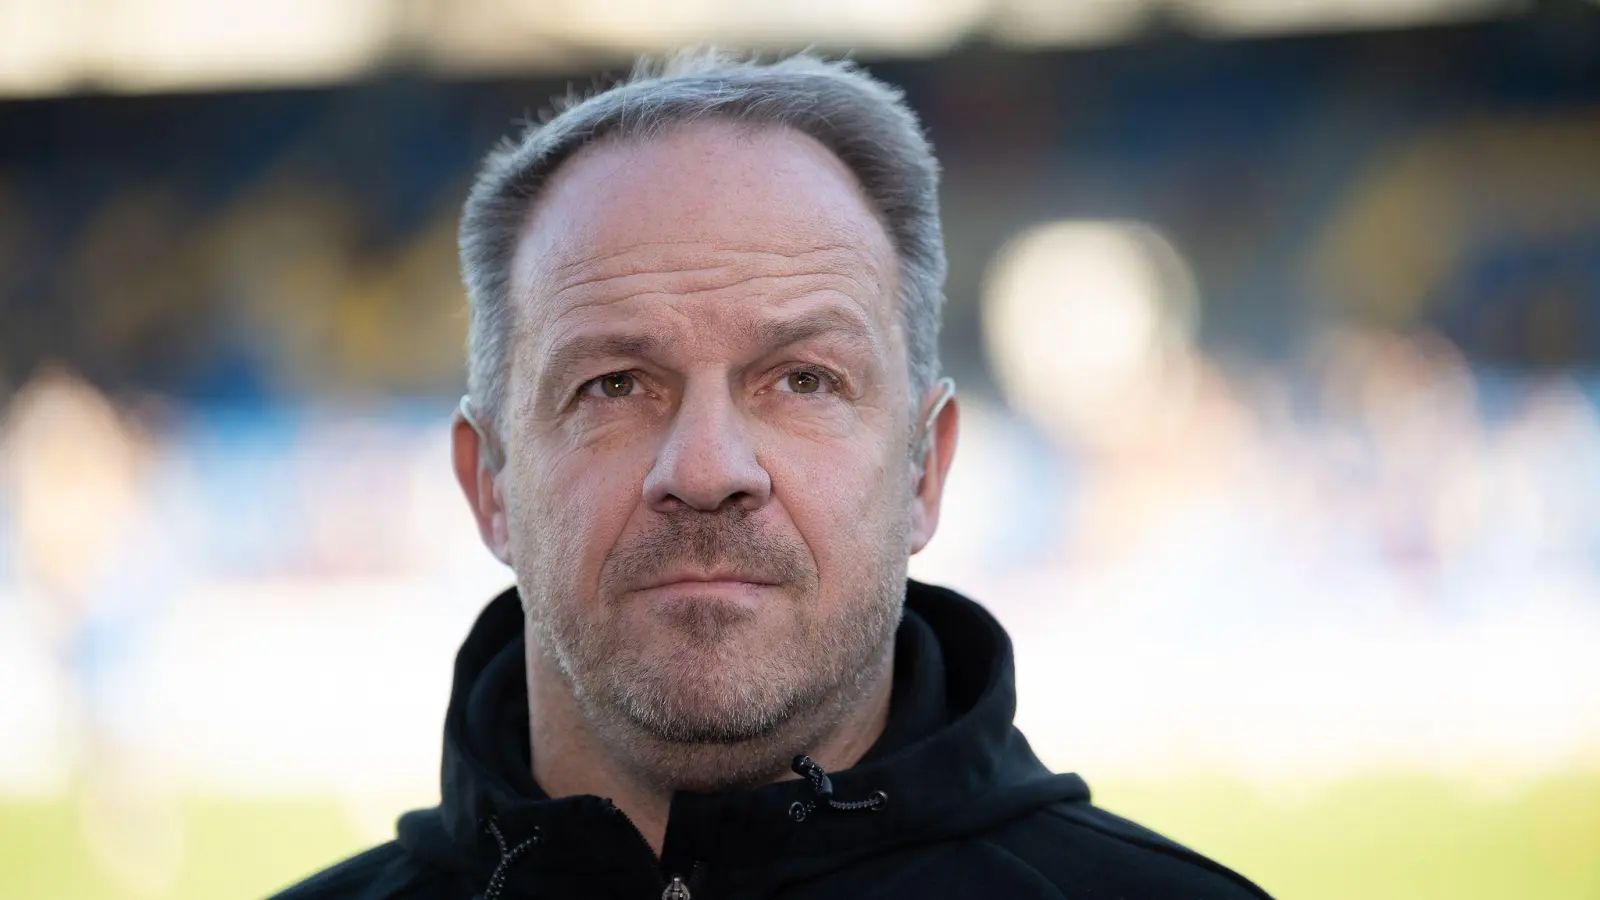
(677, 890)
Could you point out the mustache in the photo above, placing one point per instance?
(722, 539)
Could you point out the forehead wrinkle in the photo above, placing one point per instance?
(741, 267)
(599, 258)
(626, 287)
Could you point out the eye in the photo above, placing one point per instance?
(612, 384)
(808, 381)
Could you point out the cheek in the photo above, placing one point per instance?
(844, 500)
(575, 505)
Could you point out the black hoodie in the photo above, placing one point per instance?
(950, 802)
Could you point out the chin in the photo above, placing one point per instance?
(709, 732)
(700, 697)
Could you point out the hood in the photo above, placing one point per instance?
(950, 762)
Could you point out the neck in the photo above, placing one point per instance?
(572, 756)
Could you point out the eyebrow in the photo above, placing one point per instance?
(570, 354)
(769, 335)
(774, 334)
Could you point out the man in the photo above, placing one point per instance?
(706, 430)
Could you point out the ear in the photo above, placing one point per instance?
(940, 442)
(479, 483)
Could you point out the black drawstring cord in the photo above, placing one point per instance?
(508, 855)
(822, 788)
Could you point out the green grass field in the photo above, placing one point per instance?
(1375, 838)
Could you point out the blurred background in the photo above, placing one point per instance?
(1277, 327)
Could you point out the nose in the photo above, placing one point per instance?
(708, 460)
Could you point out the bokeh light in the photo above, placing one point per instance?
(1089, 327)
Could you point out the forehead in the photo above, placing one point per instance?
(715, 208)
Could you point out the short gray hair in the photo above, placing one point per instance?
(863, 121)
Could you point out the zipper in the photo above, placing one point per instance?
(674, 888)
(643, 842)
(678, 889)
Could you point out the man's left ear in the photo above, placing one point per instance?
(935, 448)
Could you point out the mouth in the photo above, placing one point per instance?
(722, 579)
(740, 589)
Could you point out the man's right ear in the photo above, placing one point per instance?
(478, 463)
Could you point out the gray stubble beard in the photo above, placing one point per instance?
(804, 694)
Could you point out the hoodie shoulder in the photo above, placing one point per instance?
(1076, 844)
(386, 872)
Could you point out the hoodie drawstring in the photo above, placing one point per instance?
(508, 855)
(822, 789)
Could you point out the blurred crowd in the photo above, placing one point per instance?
(1382, 491)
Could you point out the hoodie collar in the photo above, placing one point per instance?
(949, 760)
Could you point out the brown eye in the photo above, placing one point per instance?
(617, 384)
(804, 382)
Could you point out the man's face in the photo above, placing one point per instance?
(709, 498)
